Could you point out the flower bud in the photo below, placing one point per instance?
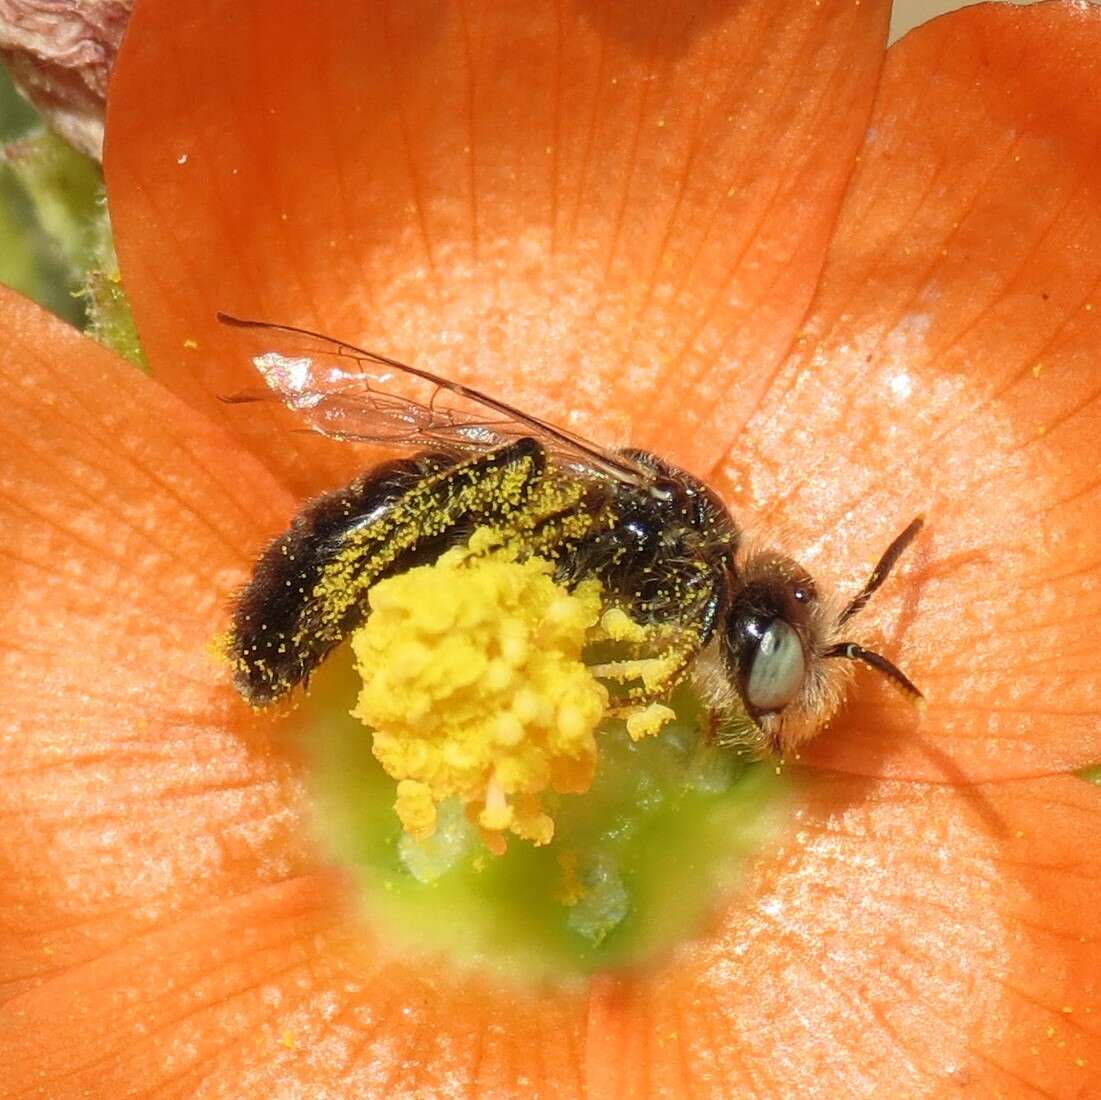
(60, 53)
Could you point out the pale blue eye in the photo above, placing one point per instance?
(776, 674)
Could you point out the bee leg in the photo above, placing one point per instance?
(657, 673)
(309, 589)
(674, 643)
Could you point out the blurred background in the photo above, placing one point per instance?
(909, 13)
(54, 241)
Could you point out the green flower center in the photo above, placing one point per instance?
(488, 810)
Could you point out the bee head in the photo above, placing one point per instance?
(781, 643)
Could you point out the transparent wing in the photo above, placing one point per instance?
(348, 393)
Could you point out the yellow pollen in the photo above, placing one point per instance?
(474, 686)
(415, 808)
(570, 890)
(648, 720)
(650, 670)
(620, 627)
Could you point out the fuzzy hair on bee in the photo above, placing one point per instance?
(824, 681)
(765, 651)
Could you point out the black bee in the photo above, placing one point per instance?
(748, 625)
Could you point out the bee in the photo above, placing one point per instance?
(766, 650)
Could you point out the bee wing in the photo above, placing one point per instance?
(352, 406)
(349, 393)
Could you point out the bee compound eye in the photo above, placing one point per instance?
(777, 668)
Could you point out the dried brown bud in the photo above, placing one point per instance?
(60, 54)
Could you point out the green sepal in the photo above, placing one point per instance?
(56, 244)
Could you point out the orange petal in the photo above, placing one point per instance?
(608, 214)
(133, 782)
(911, 940)
(277, 993)
(950, 366)
(152, 927)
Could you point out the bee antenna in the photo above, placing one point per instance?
(882, 571)
(853, 652)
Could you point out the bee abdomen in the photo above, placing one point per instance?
(309, 588)
(269, 643)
